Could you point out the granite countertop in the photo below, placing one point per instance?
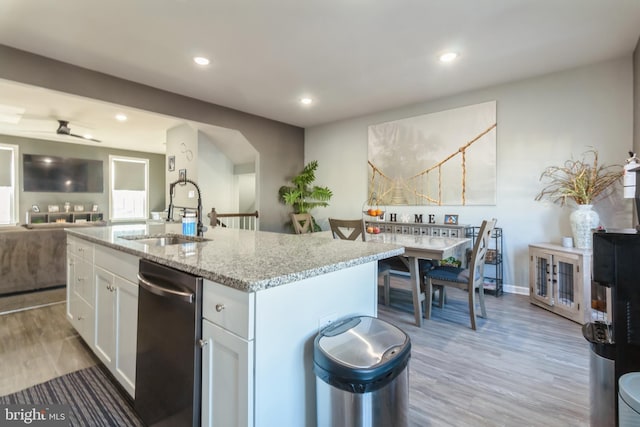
(242, 259)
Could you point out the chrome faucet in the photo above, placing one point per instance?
(200, 226)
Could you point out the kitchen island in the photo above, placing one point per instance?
(265, 297)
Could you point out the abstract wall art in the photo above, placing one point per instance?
(446, 158)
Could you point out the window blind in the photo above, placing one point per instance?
(129, 175)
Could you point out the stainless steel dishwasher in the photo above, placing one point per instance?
(169, 357)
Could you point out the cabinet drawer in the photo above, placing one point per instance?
(119, 263)
(229, 308)
(80, 248)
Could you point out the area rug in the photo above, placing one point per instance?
(92, 398)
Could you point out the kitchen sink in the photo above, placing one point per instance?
(165, 239)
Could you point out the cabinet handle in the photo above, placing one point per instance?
(220, 307)
(203, 343)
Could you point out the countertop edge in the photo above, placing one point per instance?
(237, 283)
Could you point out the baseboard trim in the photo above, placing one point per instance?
(518, 290)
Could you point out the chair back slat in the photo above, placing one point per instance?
(347, 229)
(302, 223)
(476, 266)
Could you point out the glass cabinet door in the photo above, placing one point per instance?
(565, 274)
(542, 286)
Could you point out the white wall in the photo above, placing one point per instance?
(181, 140)
(542, 121)
(215, 177)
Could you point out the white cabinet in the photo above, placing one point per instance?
(117, 314)
(102, 305)
(227, 378)
(80, 289)
(256, 346)
(227, 356)
(559, 280)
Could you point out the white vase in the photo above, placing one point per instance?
(583, 221)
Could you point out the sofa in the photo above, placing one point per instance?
(32, 259)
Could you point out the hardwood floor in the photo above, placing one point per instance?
(524, 366)
(37, 345)
(28, 300)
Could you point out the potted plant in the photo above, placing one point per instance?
(582, 182)
(303, 195)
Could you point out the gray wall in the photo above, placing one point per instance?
(280, 146)
(61, 149)
(542, 121)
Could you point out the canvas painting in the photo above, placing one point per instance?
(446, 158)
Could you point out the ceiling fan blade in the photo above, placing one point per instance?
(84, 137)
(64, 129)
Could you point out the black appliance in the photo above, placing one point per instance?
(616, 265)
(169, 355)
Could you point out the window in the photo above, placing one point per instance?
(8, 180)
(129, 196)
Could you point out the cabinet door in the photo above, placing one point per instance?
(72, 296)
(105, 315)
(541, 277)
(566, 289)
(227, 378)
(126, 333)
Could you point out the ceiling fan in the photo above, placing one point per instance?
(64, 129)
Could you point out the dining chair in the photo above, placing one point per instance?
(353, 229)
(302, 223)
(469, 279)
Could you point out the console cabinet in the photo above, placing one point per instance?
(445, 230)
(35, 218)
(559, 280)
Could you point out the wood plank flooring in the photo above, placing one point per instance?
(37, 345)
(29, 300)
(524, 366)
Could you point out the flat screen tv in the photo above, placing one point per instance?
(61, 174)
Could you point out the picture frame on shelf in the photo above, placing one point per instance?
(78, 208)
(451, 219)
(53, 208)
(94, 208)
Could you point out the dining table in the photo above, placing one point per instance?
(417, 247)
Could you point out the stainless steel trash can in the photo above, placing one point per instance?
(602, 376)
(361, 364)
(629, 400)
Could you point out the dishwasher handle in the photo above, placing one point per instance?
(164, 292)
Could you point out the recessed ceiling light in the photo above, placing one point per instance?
(448, 57)
(87, 136)
(306, 101)
(201, 60)
(121, 117)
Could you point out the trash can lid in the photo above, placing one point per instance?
(361, 342)
(360, 354)
(629, 385)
